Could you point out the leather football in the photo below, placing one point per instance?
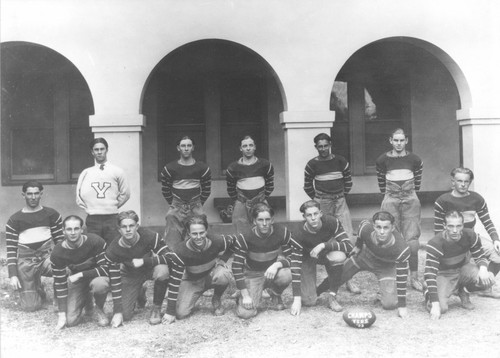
(359, 317)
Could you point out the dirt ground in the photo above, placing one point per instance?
(316, 332)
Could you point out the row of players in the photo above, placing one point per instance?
(102, 189)
(266, 256)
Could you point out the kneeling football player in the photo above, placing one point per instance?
(447, 266)
(79, 268)
(195, 260)
(382, 250)
(136, 256)
(324, 242)
(258, 264)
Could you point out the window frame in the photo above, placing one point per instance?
(60, 86)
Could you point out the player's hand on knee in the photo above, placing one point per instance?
(484, 277)
(272, 271)
(167, 319)
(14, 283)
(117, 320)
(316, 250)
(61, 321)
(496, 245)
(75, 277)
(137, 262)
(296, 306)
(403, 312)
(354, 251)
(435, 310)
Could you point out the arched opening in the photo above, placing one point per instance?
(395, 83)
(46, 104)
(215, 91)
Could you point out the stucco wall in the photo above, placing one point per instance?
(60, 197)
(116, 45)
(305, 42)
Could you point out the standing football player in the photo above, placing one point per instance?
(101, 190)
(399, 175)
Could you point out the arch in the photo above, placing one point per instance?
(213, 77)
(241, 47)
(230, 91)
(45, 102)
(448, 62)
(400, 82)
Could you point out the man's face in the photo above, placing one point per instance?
(198, 235)
(313, 217)
(186, 148)
(73, 231)
(263, 222)
(248, 148)
(323, 147)
(461, 182)
(99, 152)
(128, 229)
(398, 142)
(32, 197)
(383, 231)
(454, 227)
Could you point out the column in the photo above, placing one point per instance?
(481, 150)
(300, 129)
(124, 136)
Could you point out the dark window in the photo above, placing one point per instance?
(216, 113)
(45, 109)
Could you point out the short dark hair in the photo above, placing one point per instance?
(98, 140)
(247, 137)
(72, 217)
(383, 216)
(398, 131)
(462, 170)
(453, 214)
(309, 204)
(196, 219)
(322, 136)
(260, 208)
(185, 137)
(130, 214)
(32, 184)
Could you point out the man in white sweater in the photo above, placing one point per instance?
(101, 190)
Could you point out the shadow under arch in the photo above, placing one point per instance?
(244, 49)
(446, 60)
(216, 90)
(46, 104)
(400, 82)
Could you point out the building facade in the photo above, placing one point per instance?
(143, 73)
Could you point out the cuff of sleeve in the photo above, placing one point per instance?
(13, 271)
(90, 273)
(148, 262)
(329, 247)
(401, 302)
(62, 304)
(296, 290)
(284, 262)
(171, 309)
(117, 307)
